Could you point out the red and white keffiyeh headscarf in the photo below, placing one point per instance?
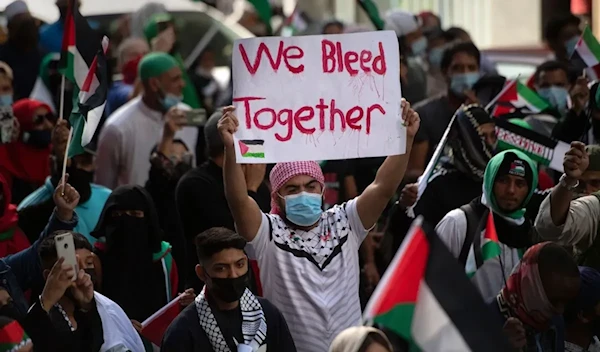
(283, 172)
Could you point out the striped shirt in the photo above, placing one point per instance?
(312, 276)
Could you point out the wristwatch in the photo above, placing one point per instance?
(563, 183)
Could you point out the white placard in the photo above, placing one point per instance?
(318, 97)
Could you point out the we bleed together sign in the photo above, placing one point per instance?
(318, 97)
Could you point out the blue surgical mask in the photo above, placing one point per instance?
(419, 46)
(303, 209)
(571, 44)
(556, 96)
(170, 100)
(435, 57)
(463, 81)
(6, 100)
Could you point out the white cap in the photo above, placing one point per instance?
(402, 22)
(15, 8)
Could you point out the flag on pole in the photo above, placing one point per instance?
(373, 12)
(587, 49)
(156, 325)
(83, 61)
(426, 298)
(489, 247)
(265, 12)
(516, 95)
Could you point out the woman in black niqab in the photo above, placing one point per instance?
(135, 262)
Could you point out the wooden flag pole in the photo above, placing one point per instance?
(62, 99)
(64, 169)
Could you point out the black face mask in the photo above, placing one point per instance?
(229, 290)
(81, 180)
(11, 311)
(38, 139)
(92, 273)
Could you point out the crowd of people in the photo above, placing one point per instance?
(285, 257)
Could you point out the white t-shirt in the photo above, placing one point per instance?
(312, 276)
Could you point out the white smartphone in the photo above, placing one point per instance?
(65, 247)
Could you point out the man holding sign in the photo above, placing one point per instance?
(308, 258)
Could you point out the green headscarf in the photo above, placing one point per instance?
(155, 64)
(489, 177)
(44, 72)
(190, 97)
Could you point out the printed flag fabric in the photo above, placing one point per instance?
(587, 49)
(426, 298)
(155, 326)
(373, 12)
(519, 96)
(83, 61)
(264, 11)
(484, 248)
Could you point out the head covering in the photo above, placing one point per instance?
(21, 160)
(351, 339)
(513, 162)
(15, 8)
(141, 17)
(155, 64)
(594, 157)
(8, 217)
(151, 26)
(402, 22)
(524, 292)
(7, 70)
(127, 247)
(470, 152)
(211, 133)
(12, 335)
(130, 70)
(283, 172)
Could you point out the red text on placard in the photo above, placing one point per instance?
(289, 53)
(336, 59)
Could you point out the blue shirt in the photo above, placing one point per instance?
(118, 95)
(88, 212)
(51, 36)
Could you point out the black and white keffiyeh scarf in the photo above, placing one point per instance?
(254, 324)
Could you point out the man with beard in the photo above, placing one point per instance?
(21, 51)
(509, 181)
(37, 207)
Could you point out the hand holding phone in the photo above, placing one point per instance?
(195, 117)
(65, 248)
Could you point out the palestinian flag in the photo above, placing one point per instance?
(294, 24)
(373, 12)
(426, 298)
(516, 95)
(264, 11)
(253, 148)
(484, 249)
(83, 61)
(12, 336)
(154, 328)
(587, 50)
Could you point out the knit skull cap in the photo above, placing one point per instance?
(594, 157)
(283, 172)
(155, 64)
(402, 22)
(15, 8)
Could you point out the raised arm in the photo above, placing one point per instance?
(245, 211)
(575, 163)
(108, 157)
(371, 203)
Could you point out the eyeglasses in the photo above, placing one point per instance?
(39, 119)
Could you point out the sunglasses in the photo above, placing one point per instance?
(39, 119)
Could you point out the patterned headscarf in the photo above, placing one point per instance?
(524, 292)
(470, 152)
(283, 172)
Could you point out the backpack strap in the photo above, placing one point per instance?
(472, 222)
